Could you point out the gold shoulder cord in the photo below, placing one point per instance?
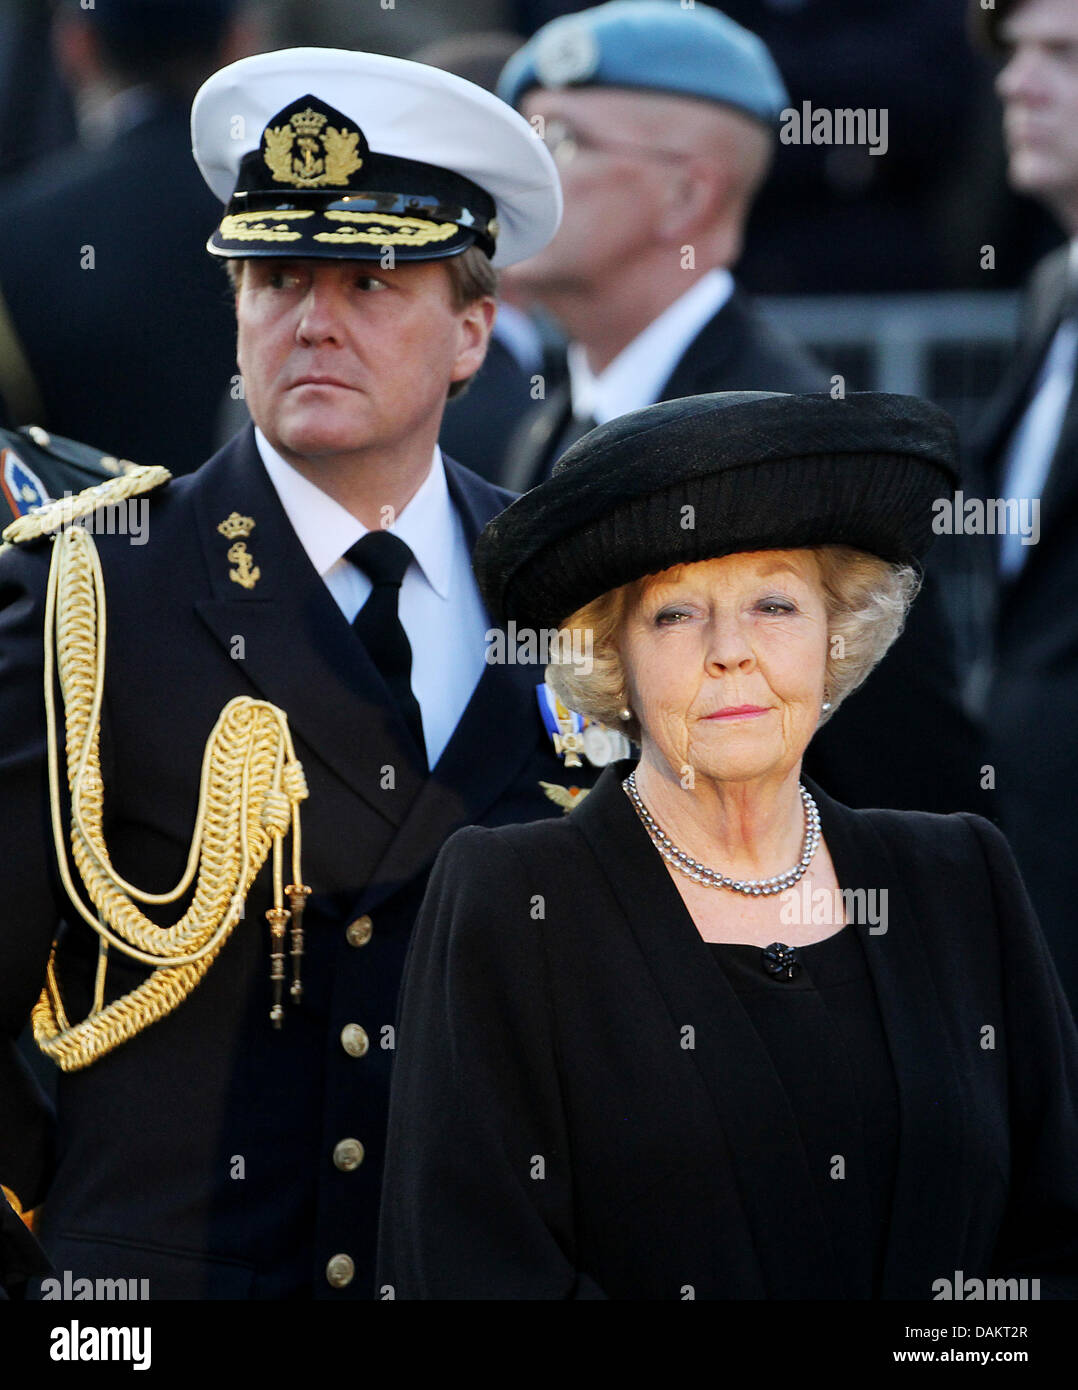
(249, 797)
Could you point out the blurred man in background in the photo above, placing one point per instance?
(479, 424)
(36, 117)
(115, 327)
(662, 121)
(1027, 450)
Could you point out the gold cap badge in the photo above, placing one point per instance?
(306, 151)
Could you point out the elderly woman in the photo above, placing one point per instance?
(713, 1034)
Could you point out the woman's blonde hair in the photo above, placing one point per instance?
(867, 600)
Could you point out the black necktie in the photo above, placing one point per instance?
(384, 558)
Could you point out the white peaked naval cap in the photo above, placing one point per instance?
(331, 153)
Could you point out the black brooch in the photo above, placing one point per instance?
(780, 961)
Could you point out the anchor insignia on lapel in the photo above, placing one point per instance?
(232, 528)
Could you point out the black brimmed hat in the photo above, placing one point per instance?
(705, 476)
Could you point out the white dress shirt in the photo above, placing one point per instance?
(439, 604)
(1032, 446)
(643, 367)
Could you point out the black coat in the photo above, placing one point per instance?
(552, 973)
(199, 1154)
(736, 350)
(1032, 689)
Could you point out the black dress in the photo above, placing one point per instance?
(823, 1033)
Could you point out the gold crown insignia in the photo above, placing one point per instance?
(235, 526)
(309, 122)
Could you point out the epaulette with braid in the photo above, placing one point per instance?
(64, 511)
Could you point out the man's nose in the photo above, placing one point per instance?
(1022, 79)
(322, 313)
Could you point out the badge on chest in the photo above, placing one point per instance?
(576, 737)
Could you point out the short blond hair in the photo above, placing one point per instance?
(471, 277)
(867, 600)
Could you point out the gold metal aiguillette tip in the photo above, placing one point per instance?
(277, 917)
(298, 893)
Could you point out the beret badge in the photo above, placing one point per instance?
(566, 53)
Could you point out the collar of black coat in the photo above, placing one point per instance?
(927, 1218)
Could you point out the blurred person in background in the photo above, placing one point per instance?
(37, 467)
(1025, 451)
(115, 327)
(36, 114)
(839, 220)
(396, 27)
(662, 121)
(525, 345)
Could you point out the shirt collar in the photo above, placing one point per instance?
(327, 531)
(636, 376)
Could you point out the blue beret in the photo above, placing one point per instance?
(656, 45)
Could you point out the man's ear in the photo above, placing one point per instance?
(697, 190)
(476, 324)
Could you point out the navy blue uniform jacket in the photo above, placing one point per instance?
(199, 1155)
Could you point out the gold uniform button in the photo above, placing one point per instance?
(347, 1154)
(358, 933)
(340, 1271)
(354, 1040)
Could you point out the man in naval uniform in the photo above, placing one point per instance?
(220, 1121)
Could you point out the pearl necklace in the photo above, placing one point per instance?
(711, 878)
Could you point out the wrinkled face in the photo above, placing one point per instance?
(613, 177)
(725, 662)
(1039, 89)
(341, 357)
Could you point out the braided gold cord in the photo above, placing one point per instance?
(250, 789)
(53, 516)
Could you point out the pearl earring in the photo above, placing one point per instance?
(625, 713)
(826, 700)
